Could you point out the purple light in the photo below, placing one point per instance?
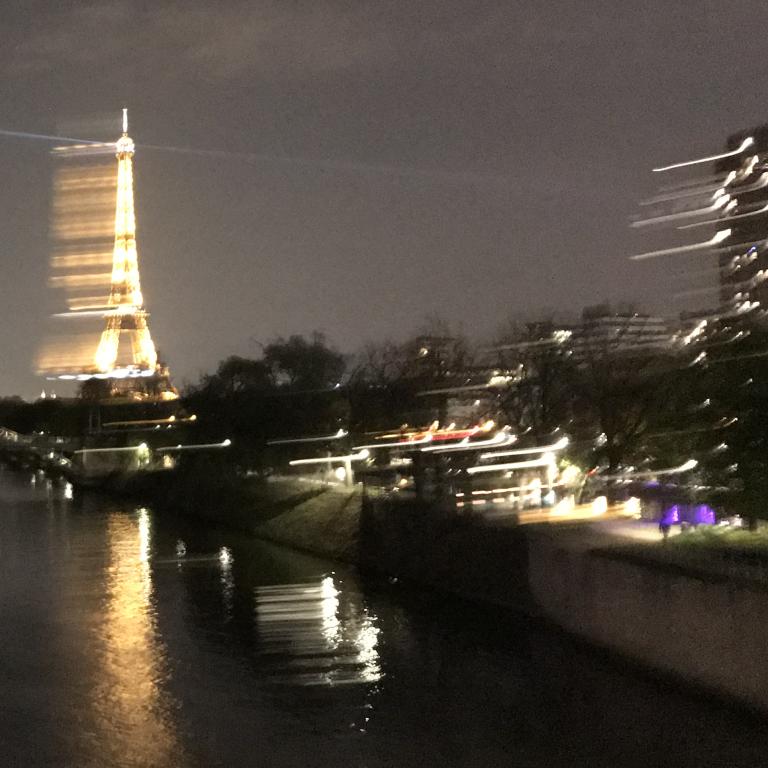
(671, 515)
(703, 514)
(699, 514)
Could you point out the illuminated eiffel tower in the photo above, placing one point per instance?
(126, 354)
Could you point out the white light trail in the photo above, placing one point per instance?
(361, 456)
(719, 202)
(558, 446)
(699, 191)
(758, 212)
(199, 446)
(748, 142)
(106, 312)
(320, 439)
(501, 438)
(530, 463)
(86, 145)
(496, 491)
(110, 450)
(685, 467)
(143, 446)
(400, 444)
(715, 240)
(759, 184)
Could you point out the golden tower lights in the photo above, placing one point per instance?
(126, 316)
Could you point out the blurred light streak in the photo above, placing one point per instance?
(748, 142)
(126, 448)
(364, 454)
(501, 438)
(320, 439)
(400, 444)
(558, 446)
(685, 467)
(700, 191)
(194, 447)
(48, 137)
(758, 212)
(717, 238)
(759, 184)
(86, 146)
(529, 464)
(719, 202)
(510, 489)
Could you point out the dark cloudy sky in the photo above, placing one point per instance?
(467, 158)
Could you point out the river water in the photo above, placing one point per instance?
(116, 651)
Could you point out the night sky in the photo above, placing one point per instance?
(381, 161)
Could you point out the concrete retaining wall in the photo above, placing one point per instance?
(708, 630)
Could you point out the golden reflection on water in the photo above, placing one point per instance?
(313, 633)
(132, 709)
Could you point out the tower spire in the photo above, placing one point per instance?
(125, 121)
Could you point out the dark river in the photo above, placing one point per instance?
(116, 652)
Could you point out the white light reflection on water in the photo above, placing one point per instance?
(313, 633)
(227, 580)
(144, 551)
(144, 534)
(329, 605)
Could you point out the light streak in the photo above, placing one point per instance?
(718, 189)
(48, 137)
(715, 240)
(118, 449)
(558, 446)
(719, 202)
(118, 373)
(758, 212)
(150, 422)
(296, 161)
(684, 467)
(196, 447)
(400, 444)
(748, 142)
(759, 184)
(144, 447)
(319, 439)
(531, 463)
(360, 456)
(105, 312)
(512, 488)
(500, 438)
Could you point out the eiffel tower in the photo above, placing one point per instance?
(126, 355)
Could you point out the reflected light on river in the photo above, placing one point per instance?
(312, 633)
(132, 660)
(227, 581)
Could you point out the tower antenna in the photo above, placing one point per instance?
(125, 121)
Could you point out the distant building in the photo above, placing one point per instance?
(617, 330)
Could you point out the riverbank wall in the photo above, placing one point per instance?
(704, 628)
